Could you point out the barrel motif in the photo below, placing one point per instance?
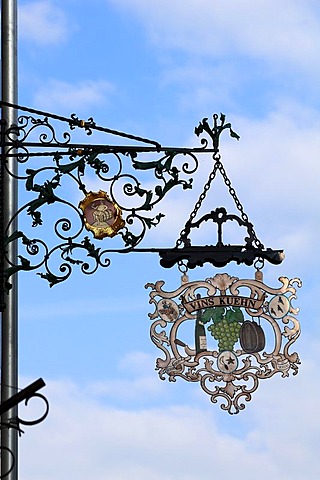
(252, 338)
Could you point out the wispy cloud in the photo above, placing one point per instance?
(214, 28)
(127, 443)
(43, 23)
(231, 54)
(65, 96)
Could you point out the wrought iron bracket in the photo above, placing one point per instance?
(220, 254)
(26, 394)
(197, 256)
(38, 135)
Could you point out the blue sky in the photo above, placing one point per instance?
(156, 69)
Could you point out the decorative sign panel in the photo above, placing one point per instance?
(101, 215)
(225, 333)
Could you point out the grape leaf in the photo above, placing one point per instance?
(207, 315)
(213, 313)
(235, 315)
(238, 315)
(218, 314)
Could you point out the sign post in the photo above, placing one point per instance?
(9, 323)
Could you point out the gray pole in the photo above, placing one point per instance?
(9, 326)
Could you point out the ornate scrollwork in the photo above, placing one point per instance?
(225, 370)
(218, 254)
(25, 395)
(216, 130)
(38, 135)
(42, 417)
(112, 170)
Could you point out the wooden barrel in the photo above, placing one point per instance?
(252, 338)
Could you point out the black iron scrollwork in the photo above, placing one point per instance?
(73, 165)
(216, 130)
(39, 419)
(112, 168)
(219, 254)
(26, 394)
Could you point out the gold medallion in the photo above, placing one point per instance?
(101, 215)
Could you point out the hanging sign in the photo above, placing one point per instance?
(225, 333)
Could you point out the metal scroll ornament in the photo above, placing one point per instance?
(225, 333)
(14, 422)
(56, 162)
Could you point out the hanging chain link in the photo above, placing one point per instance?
(239, 206)
(217, 166)
(200, 200)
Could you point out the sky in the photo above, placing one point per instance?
(156, 69)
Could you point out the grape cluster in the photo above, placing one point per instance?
(227, 334)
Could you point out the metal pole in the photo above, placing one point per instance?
(9, 325)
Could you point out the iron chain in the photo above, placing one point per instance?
(217, 166)
(239, 206)
(200, 200)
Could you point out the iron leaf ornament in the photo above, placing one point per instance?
(216, 130)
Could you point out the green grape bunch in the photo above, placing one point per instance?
(225, 326)
(226, 333)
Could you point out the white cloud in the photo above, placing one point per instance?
(64, 96)
(134, 381)
(266, 29)
(275, 435)
(129, 390)
(43, 23)
(201, 84)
